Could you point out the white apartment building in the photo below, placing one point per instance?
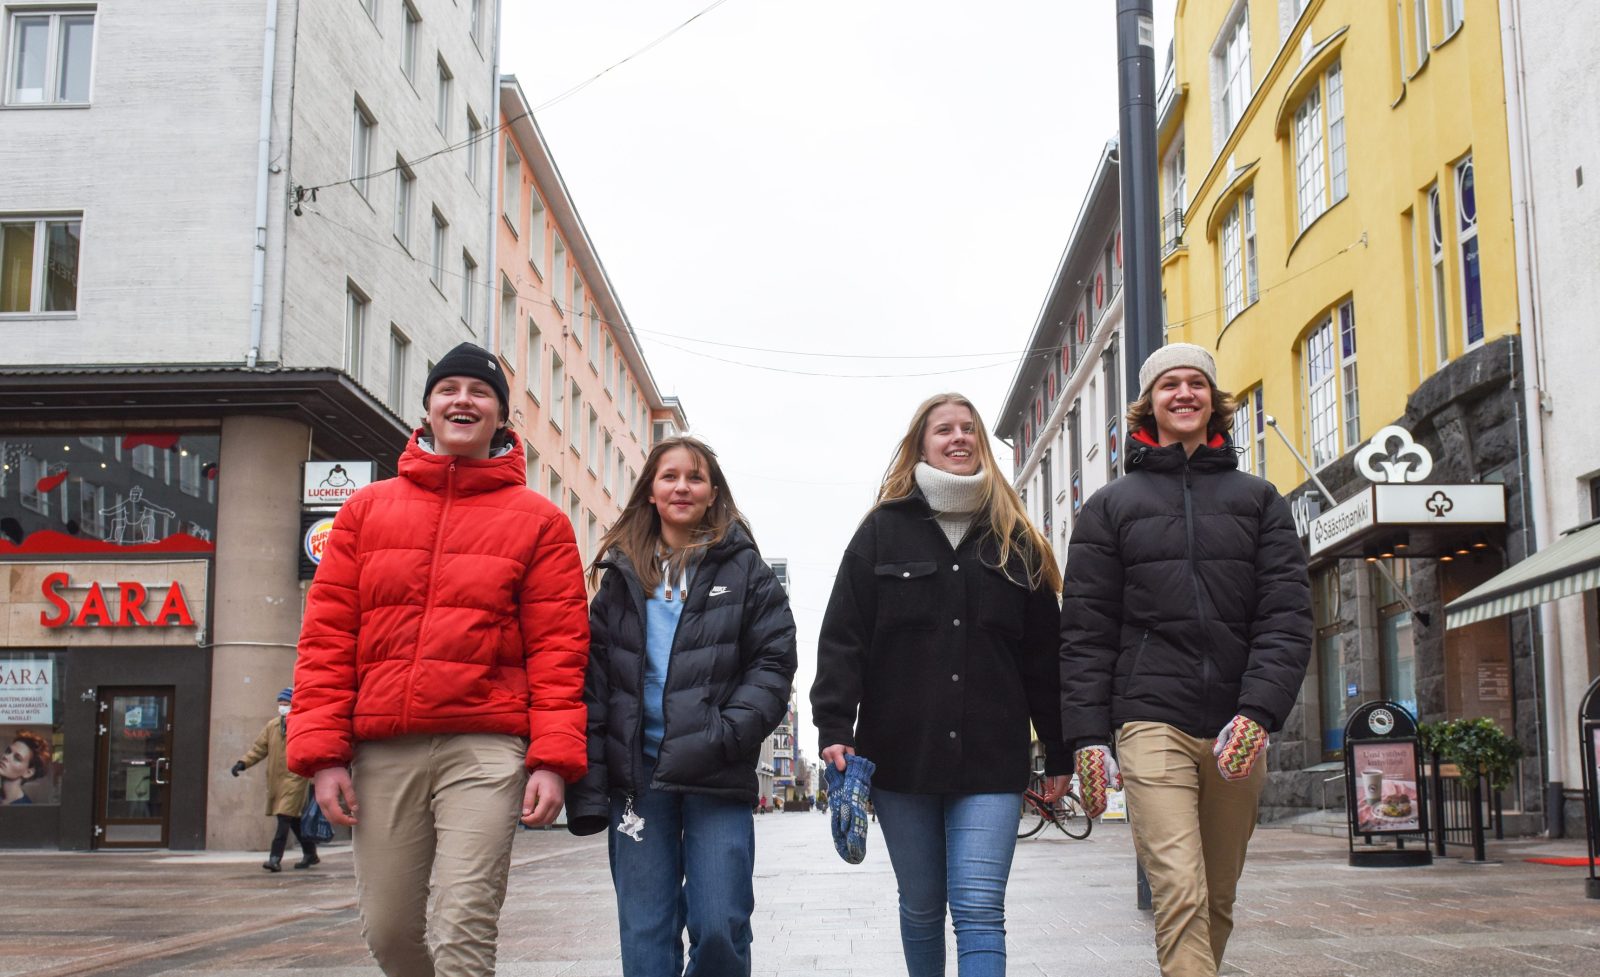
(233, 238)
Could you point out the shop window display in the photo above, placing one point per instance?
(110, 492)
(31, 757)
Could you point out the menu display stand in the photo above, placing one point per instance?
(1383, 786)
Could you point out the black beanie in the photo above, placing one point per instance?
(469, 360)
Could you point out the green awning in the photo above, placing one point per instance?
(1571, 565)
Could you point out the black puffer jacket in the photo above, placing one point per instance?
(944, 656)
(1187, 600)
(727, 686)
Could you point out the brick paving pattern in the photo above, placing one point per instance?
(1303, 912)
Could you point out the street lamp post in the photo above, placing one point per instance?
(1141, 210)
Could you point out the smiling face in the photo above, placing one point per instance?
(1181, 402)
(681, 491)
(949, 439)
(16, 763)
(463, 413)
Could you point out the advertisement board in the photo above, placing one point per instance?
(1387, 800)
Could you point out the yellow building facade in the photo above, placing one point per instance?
(1338, 229)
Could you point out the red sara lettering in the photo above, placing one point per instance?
(95, 612)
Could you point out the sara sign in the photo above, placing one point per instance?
(132, 605)
(329, 483)
(26, 691)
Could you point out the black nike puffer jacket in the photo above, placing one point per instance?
(727, 686)
(1187, 600)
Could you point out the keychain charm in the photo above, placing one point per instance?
(631, 824)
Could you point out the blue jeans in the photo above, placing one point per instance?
(693, 868)
(951, 849)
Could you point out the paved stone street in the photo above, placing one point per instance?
(1303, 912)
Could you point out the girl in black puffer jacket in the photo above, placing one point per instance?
(692, 651)
(1187, 610)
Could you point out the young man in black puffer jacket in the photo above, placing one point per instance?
(1187, 610)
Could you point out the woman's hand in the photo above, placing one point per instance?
(836, 753)
(542, 799)
(1056, 787)
(335, 795)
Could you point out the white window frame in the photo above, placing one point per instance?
(410, 33)
(1232, 54)
(533, 357)
(405, 192)
(363, 135)
(558, 279)
(594, 339)
(39, 264)
(606, 451)
(530, 467)
(469, 287)
(1435, 231)
(507, 328)
(610, 377)
(1320, 379)
(399, 356)
(446, 91)
(474, 147)
(357, 306)
(441, 242)
(575, 417)
(1349, 389)
(1455, 14)
(1467, 235)
(1338, 166)
(536, 228)
(1232, 265)
(511, 192)
(558, 390)
(1419, 22)
(371, 7)
(1252, 278)
(1310, 165)
(50, 95)
(592, 444)
(475, 24)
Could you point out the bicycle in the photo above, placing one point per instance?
(1066, 813)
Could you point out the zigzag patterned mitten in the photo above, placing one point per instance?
(1238, 746)
(1097, 774)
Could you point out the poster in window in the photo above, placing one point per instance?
(1594, 747)
(27, 691)
(30, 768)
(1386, 787)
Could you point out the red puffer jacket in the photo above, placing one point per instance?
(449, 600)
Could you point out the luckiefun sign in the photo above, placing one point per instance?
(330, 483)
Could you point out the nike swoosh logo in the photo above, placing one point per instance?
(717, 591)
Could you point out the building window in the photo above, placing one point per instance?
(39, 264)
(440, 236)
(1467, 245)
(531, 359)
(405, 188)
(476, 27)
(1455, 14)
(1419, 9)
(410, 27)
(1247, 429)
(399, 353)
(1075, 459)
(1441, 326)
(1308, 163)
(558, 279)
(355, 329)
(554, 494)
(594, 335)
(442, 113)
(508, 320)
(530, 467)
(1347, 373)
(1232, 56)
(361, 147)
(611, 356)
(558, 389)
(511, 194)
(574, 508)
(536, 231)
(593, 442)
(606, 452)
(1338, 171)
(469, 287)
(474, 147)
(371, 7)
(1330, 667)
(575, 417)
(1395, 637)
(1114, 406)
(50, 56)
(593, 537)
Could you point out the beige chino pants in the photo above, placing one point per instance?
(1190, 828)
(440, 810)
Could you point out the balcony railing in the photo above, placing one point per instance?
(1171, 232)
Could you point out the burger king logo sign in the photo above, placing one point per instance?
(317, 538)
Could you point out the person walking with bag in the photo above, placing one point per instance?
(440, 676)
(1186, 629)
(286, 792)
(692, 654)
(938, 645)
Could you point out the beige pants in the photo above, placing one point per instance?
(1190, 828)
(442, 809)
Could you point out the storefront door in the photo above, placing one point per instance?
(133, 776)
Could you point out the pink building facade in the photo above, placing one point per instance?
(582, 395)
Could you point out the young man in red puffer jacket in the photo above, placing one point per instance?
(440, 675)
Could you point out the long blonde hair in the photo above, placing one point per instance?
(1000, 507)
(637, 532)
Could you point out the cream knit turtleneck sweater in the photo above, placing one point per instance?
(954, 499)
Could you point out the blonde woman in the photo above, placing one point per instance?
(939, 643)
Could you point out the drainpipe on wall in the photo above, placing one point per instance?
(492, 289)
(1529, 308)
(258, 270)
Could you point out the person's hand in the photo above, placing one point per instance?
(1238, 747)
(1055, 787)
(836, 753)
(237, 768)
(542, 799)
(335, 795)
(1098, 774)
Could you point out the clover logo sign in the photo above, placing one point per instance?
(1439, 504)
(1408, 462)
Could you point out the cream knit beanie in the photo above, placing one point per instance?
(1175, 356)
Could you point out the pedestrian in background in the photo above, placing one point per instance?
(942, 633)
(691, 658)
(440, 676)
(1186, 628)
(286, 792)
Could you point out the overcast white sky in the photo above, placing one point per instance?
(885, 178)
